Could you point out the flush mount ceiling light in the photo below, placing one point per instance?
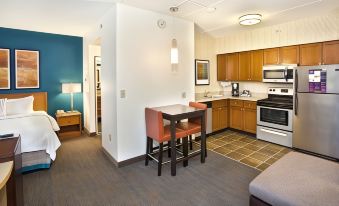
(250, 19)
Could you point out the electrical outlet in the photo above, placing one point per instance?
(122, 94)
(183, 95)
(110, 137)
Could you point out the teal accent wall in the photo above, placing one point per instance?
(61, 60)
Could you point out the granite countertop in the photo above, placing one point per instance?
(255, 97)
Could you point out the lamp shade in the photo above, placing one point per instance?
(71, 87)
(174, 52)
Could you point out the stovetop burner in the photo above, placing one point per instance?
(277, 101)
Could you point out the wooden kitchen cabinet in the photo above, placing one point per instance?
(236, 119)
(310, 54)
(271, 56)
(219, 115)
(289, 55)
(221, 67)
(232, 67)
(257, 62)
(243, 115)
(331, 52)
(245, 66)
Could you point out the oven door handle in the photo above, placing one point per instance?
(274, 132)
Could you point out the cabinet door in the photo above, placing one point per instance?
(236, 119)
(257, 62)
(232, 66)
(289, 55)
(310, 54)
(245, 66)
(331, 52)
(223, 117)
(271, 56)
(250, 120)
(215, 119)
(221, 67)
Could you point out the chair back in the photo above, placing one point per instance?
(154, 124)
(198, 106)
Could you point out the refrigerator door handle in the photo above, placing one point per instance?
(296, 93)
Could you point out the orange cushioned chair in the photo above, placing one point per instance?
(155, 130)
(193, 126)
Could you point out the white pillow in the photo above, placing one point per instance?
(19, 106)
(3, 108)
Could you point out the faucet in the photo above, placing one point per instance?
(206, 93)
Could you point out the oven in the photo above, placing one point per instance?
(275, 118)
(278, 73)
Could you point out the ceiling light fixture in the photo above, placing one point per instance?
(250, 19)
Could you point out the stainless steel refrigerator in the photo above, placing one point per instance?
(316, 109)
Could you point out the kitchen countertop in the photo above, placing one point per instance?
(254, 97)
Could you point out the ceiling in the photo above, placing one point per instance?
(76, 17)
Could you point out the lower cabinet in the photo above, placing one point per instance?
(243, 115)
(219, 115)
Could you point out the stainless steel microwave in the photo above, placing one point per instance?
(278, 73)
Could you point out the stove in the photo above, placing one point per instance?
(274, 116)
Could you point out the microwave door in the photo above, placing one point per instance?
(274, 75)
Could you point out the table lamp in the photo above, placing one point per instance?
(71, 88)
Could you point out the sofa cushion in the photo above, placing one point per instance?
(298, 179)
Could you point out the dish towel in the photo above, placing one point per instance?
(3, 108)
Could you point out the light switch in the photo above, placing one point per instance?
(183, 95)
(122, 94)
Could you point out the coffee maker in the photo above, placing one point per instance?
(235, 89)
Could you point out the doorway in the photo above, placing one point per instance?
(97, 78)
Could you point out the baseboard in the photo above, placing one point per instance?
(110, 157)
(125, 162)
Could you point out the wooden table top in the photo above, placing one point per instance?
(176, 109)
(5, 172)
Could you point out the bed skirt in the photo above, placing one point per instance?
(37, 160)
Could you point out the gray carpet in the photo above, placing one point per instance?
(83, 175)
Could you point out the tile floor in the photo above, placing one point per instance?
(246, 149)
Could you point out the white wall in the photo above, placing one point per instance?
(144, 71)
(107, 33)
(205, 49)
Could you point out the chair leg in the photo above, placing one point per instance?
(150, 147)
(147, 151)
(169, 149)
(191, 143)
(185, 150)
(160, 158)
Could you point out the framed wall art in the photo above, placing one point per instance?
(5, 72)
(27, 69)
(202, 72)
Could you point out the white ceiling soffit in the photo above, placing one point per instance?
(76, 17)
(225, 19)
(70, 17)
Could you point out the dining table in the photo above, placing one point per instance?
(176, 113)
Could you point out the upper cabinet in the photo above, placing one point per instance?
(271, 56)
(245, 66)
(311, 54)
(232, 66)
(221, 67)
(289, 55)
(257, 62)
(331, 52)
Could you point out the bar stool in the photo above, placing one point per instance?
(193, 126)
(155, 130)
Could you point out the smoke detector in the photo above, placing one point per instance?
(174, 9)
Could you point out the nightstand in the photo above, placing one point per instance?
(70, 124)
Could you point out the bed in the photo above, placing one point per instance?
(39, 141)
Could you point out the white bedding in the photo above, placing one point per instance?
(37, 131)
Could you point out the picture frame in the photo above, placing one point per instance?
(5, 69)
(27, 69)
(202, 72)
